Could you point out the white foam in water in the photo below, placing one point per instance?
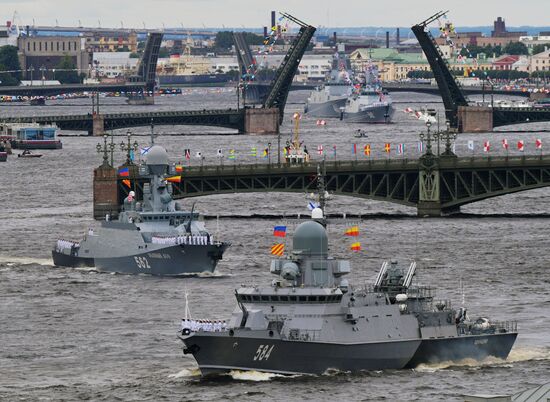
(10, 261)
(255, 376)
(519, 354)
(186, 373)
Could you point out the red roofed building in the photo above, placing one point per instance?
(505, 62)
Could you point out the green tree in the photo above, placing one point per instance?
(540, 48)
(253, 39)
(66, 71)
(516, 48)
(9, 62)
(224, 40)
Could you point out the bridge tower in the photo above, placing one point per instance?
(251, 94)
(147, 65)
(280, 85)
(450, 88)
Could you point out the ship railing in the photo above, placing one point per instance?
(505, 326)
(185, 239)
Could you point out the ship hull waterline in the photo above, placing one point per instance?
(222, 353)
(168, 261)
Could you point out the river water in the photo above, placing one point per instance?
(77, 334)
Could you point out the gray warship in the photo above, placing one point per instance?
(310, 320)
(151, 237)
(369, 103)
(327, 99)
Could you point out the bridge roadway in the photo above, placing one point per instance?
(230, 118)
(435, 186)
(51, 90)
(434, 89)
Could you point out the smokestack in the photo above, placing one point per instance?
(334, 37)
(265, 32)
(397, 37)
(387, 39)
(273, 19)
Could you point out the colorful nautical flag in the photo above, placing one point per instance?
(296, 116)
(278, 249)
(538, 143)
(179, 168)
(420, 147)
(174, 179)
(352, 231)
(486, 146)
(334, 151)
(387, 147)
(143, 151)
(124, 172)
(279, 231)
(400, 149)
(187, 153)
(232, 154)
(356, 246)
(366, 149)
(471, 145)
(126, 182)
(520, 146)
(354, 149)
(266, 152)
(132, 155)
(312, 205)
(253, 151)
(505, 144)
(320, 149)
(321, 122)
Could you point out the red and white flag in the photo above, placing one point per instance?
(538, 143)
(520, 145)
(486, 146)
(409, 110)
(320, 149)
(505, 144)
(321, 123)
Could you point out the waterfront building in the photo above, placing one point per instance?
(540, 61)
(111, 41)
(112, 64)
(40, 55)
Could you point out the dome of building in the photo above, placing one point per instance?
(311, 239)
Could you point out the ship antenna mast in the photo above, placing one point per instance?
(321, 185)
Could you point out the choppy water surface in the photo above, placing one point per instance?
(71, 334)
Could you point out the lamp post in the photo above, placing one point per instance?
(129, 147)
(428, 138)
(105, 150)
(269, 152)
(449, 138)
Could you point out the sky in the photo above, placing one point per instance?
(255, 14)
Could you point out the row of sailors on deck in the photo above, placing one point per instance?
(188, 239)
(64, 244)
(203, 325)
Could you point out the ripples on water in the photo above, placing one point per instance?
(77, 334)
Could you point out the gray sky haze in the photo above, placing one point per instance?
(239, 13)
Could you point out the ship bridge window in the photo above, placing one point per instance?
(256, 298)
(322, 298)
(312, 298)
(293, 298)
(274, 298)
(302, 298)
(284, 298)
(265, 298)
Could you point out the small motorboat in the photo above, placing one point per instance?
(28, 154)
(360, 134)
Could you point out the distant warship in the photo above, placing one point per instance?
(150, 237)
(329, 98)
(311, 320)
